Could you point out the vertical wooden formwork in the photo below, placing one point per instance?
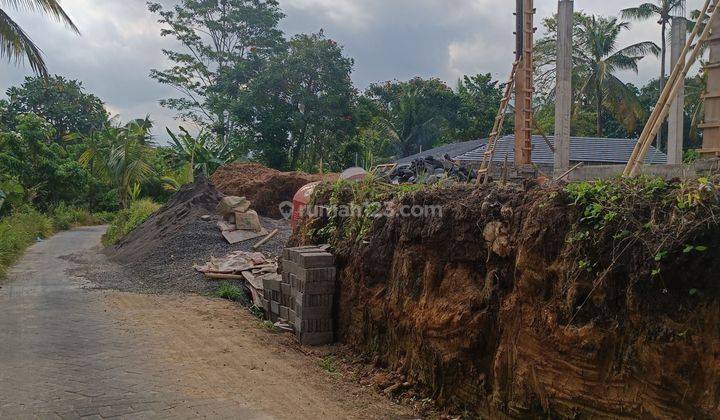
(524, 86)
(711, 126)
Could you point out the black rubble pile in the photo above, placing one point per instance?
(430, 170)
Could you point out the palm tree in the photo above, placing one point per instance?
(15, 42)
(663, 10)
(128, 162)
(599, 58)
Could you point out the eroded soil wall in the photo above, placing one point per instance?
(494, 309)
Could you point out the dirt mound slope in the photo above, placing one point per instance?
(160, 253)
(191, 202)
(591, 301)
(266, 188)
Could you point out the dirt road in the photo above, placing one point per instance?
(68, 351)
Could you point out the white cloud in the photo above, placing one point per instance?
(389, 39)
(345, 12)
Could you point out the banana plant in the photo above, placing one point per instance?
(202, 153)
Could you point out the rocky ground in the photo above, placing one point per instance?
(169, 268)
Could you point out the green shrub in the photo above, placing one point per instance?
(64, 217)
(17, 232)
(105, 217)
(125, 221)
(231, 292)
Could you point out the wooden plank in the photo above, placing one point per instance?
(238, 236)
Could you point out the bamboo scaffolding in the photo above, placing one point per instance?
(664, 103)
(497, 128)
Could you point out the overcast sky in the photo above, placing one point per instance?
(389, 39)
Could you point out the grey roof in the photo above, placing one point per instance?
(452, 149)
(582, 149)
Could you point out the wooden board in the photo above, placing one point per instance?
(237, 236)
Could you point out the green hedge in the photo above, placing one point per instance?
(127, 220)
(18, 231)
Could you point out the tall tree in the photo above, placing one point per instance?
(15, 44)
(663, 11)
(61, 102)
(599, 60)
(301, 105)
(479, 99)
(416, 115)
(225, 43)
(128, 161)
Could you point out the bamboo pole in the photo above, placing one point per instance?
(637, 157)
(663, 108)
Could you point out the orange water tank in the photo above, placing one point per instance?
(300, 201)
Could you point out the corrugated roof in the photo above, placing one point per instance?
(452, 149)
(582, 149)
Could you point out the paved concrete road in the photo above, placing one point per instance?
(62, 355)
(67, 351)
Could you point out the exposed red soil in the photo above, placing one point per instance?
(499, 321)
(266, 188)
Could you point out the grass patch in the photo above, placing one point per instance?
(18, 231)
(128, 219)
(231, 292)
(65, 217)
(329, 364)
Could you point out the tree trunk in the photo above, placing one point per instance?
(599, 107)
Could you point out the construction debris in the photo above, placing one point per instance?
(235, 263)
(239, 223)
(252, 268)
(430, 170)
(266, 239)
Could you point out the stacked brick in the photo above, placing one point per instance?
(308, 274)
(272, 297)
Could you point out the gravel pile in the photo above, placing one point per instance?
(159, 255)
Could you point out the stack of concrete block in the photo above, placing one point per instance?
(272, 296)
(310, 272)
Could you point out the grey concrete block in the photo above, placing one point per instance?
(313, 325)
(316, 274)
(310, 300)
(316, 260)
(271, 284)
(327, 287)
(317, 312)
(285, 313)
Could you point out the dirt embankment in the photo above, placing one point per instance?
(160, 253)
(266, 188)
(519, 302)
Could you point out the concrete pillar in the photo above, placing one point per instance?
(563, 86)
(676, 118)
(711, 126)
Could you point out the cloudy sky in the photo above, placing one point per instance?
(389, 39)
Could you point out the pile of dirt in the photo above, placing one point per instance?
(161, 252)
(266, 188)
(519, 302)
(190, 203)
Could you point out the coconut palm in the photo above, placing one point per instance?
(599, 58)
(128, 162)
(663, 10)
(15, 42)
